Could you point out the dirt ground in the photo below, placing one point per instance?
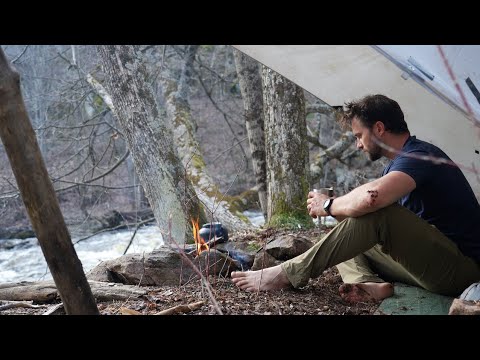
(319, 297)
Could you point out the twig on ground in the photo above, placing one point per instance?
(182, 308)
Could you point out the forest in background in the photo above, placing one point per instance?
(85, 150)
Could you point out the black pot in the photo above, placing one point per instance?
(213, 230)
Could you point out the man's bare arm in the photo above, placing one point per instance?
(366, 198)
(374, 195)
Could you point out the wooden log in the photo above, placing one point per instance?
(39, 195)
(179, 309)
(45, 291)
(464, 307)
(22, 283)
(5, 305)
(41, 292)
(114, 291)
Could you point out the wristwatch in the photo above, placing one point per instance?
(326, 206)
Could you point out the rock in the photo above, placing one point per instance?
(164, 266)
(288, 246)
(100, 273)
(263, 260)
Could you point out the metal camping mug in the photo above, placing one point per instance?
(325, 191)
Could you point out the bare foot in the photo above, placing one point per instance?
(365, 292)
(272, 278)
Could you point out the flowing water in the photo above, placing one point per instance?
(23, 260)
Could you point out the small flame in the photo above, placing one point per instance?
(201, 245)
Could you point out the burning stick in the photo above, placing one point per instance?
(209, 244)
(201, 244)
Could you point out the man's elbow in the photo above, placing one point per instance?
(369, 204)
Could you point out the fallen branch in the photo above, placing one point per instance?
(46, 292)
(127, 311)
(179, 309)
(17, 304)
(55, 309)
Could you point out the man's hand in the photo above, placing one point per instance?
(315, 204)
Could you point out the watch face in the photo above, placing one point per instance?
(326, 204)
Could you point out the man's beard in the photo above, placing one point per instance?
(375, 153)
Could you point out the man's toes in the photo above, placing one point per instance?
(238, 274)
(353, 293)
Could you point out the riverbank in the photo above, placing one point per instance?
(319, 297)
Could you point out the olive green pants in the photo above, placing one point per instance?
(392, 244)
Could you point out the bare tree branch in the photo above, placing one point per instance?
(333, 152)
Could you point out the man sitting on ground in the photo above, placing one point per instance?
(418, 224)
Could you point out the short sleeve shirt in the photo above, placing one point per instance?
(443, 197)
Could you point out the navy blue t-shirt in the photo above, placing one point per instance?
(443, 197)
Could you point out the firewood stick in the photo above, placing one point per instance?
(211, 243)
(182, 308)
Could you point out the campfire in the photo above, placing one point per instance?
(199, 242)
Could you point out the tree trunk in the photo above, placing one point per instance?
(39, 196)
(150, 139)
(178, 110)
(251, 88)
(286, 152)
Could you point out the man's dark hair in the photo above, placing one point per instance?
(373, 108)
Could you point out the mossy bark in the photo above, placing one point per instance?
(286, 152)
